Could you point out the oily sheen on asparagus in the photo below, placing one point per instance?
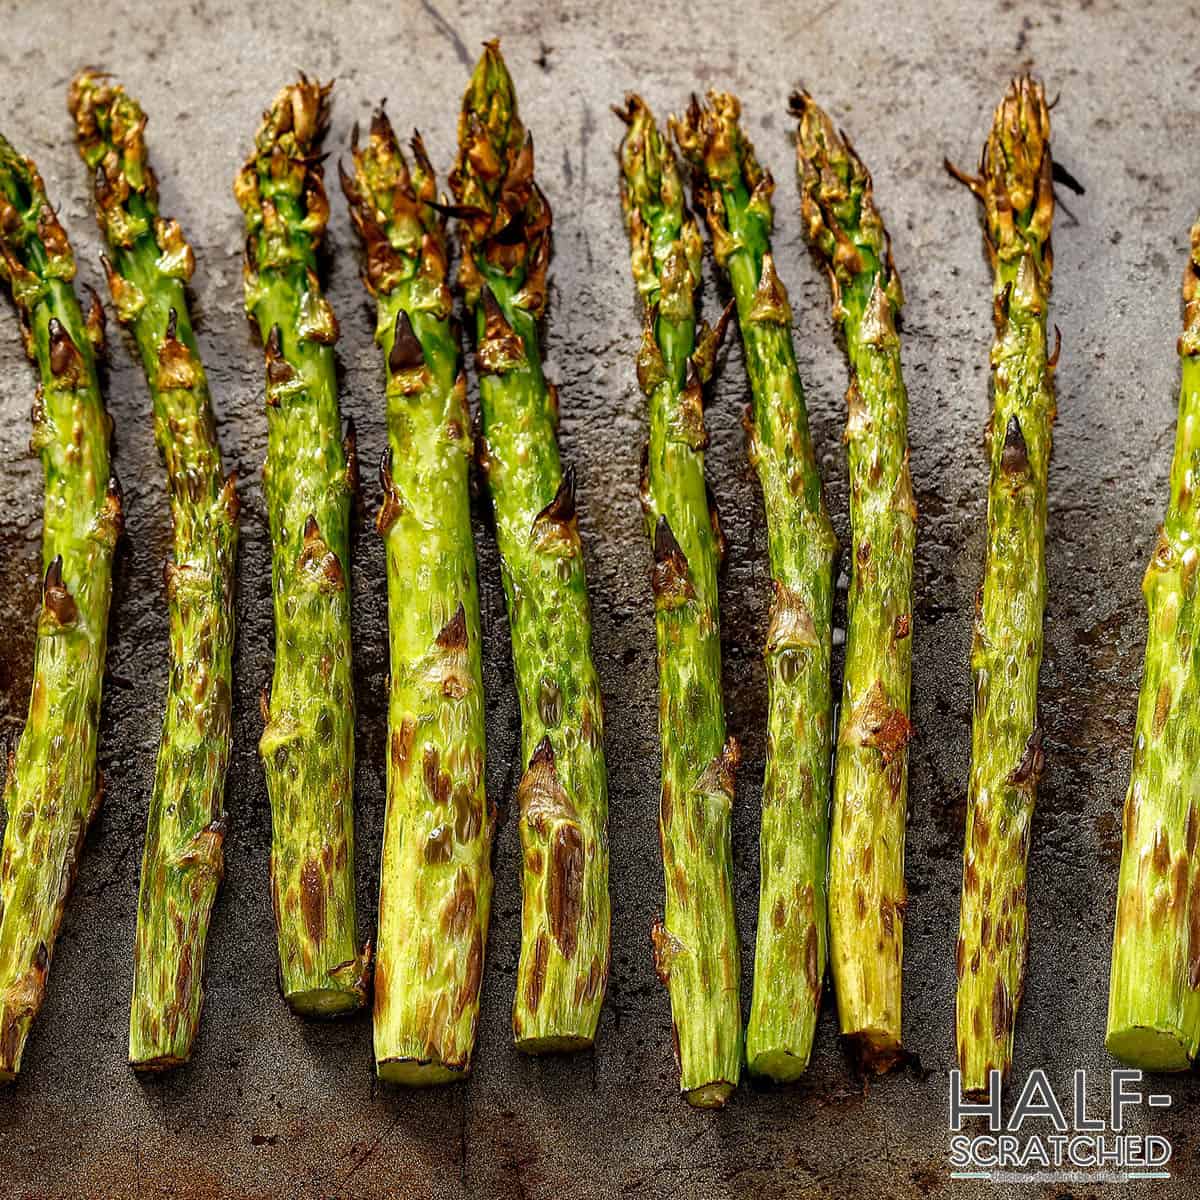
(1016, 190)
(52, 788)
(182, 863)
(435, 885)
(789, 964)
(562, 798)
(307, 745)
(1154, 988)
(867, 894)
(696, 943)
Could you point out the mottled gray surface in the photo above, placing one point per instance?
(274, 1107)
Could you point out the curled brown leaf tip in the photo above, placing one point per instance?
(1014, 459)
(406, 352)
(55, 595)
(670, 580)
(453, 635)
(560, 510)
(1029, 770)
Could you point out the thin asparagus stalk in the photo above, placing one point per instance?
(307, 746)
(435, 886)
(1153, 999)
(1016, 190)
(53, 789)
(185, 829)
(867, 894)
(789, 963)
(696, 943)
(563, 794)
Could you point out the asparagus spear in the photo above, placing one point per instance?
(1015, 188)
(1153, 1001)
(435, 886)
(183, 861)
(696, 943)
(53, 789)
(307, 747)
(867, 894)
(563, 793)
(789, 963)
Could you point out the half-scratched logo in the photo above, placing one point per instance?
(1042, 1140)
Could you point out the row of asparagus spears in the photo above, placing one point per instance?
(834, 792)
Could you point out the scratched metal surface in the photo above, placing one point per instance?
(275, 1107)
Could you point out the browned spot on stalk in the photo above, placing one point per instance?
(467, 817)
(183, 978)
(402, 742)
(439, 845)
(779, 913)
(537, 973)
(312, 900)
(664, 805)
(1193, 925)
(1162, 707)
(460, 909)
(554, 527)
(437, 781)
(566, 888)
(810, 959)
(877, 723)
(1162, 851)
(392, 505)
(469, 991)
(1002, 1011)
(960, 956)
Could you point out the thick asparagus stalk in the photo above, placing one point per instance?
(867, 894)
(1153, 999)
(1016, 190)
(185, 829)
(52, 790)
(789, 962)
(696, 943)
(435, 886)
(563, 794)
(307, 747)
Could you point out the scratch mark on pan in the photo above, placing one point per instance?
(370, 1152)
(449, 33)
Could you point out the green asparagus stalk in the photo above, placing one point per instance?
(867, 894)
(563, 794)
(1154, 989)
(307, 746)
(183, 860)
(696, 943)
(789, 963)
(53, 789)
(435, 886)
(1016, 190)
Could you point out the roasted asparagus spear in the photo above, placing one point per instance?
(307, 746)
(789, 965)
(867, 895)
(1016, 189)
(563, 794)
(1154, 990)
(183, 861)
(696, 943)
(435, 886)
(52, 790)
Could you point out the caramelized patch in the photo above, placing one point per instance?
(566, 888)
(312, 900)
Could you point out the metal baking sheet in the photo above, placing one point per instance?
(273, 1107)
